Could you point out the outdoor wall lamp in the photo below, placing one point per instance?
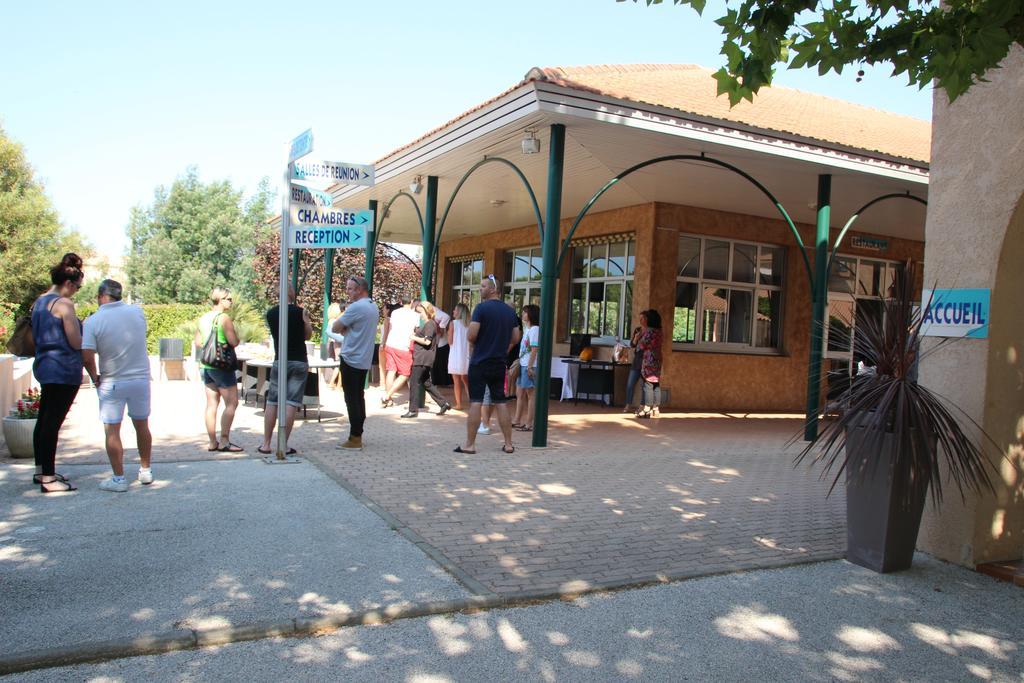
(416, 186)
(531, 145)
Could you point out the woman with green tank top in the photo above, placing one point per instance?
(220, 384)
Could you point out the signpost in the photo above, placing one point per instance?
(318, 224)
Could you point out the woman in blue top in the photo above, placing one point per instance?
(57, 333)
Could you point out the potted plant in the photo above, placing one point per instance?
(893, 438)
(20, 424)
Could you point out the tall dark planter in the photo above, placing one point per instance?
(883, 512)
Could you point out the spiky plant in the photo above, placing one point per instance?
(889, 402)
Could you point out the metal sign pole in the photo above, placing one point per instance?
(282, 317)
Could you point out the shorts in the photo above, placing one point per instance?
(524, 381)
(488, 375)
(219, 378)
(295, 377)
(397, 360)
(114, 395)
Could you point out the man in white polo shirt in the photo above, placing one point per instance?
(117, 333)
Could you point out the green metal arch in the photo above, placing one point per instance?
(686, 157)
(465, 177)
(384, 214)
(856, 215)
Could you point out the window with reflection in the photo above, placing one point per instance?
(601, 294)
(856, 290)
(523, 268)
(728, 294)
(467, 276)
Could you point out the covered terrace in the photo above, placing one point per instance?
(664, 197)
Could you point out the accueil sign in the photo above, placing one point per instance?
(955, 313)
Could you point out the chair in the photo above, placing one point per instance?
(172, 358)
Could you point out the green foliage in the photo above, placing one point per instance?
(954, 43)
(31, 237)
(250, 325)
(194, 237)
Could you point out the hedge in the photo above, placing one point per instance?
(162, 320)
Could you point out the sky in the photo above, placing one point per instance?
(113, 99)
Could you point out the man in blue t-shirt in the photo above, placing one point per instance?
(493, 331)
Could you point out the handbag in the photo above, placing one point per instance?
(21, 342)
(217, 354)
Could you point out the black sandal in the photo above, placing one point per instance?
(67, 486)
(37, 478)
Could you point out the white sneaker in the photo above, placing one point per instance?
(114, 486)
(145, 476)
(483, 429)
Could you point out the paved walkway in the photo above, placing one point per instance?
(830, 621)
(614, 501)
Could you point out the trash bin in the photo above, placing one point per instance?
(172, 358)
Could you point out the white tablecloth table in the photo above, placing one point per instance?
(567, 373)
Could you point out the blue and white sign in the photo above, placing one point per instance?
(326, 238)
(334, 172)
(956, 313)
(299, 194)
(310, 216)
(301, 146)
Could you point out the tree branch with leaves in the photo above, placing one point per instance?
(953, 44)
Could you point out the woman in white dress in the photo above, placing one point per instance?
(458, 357)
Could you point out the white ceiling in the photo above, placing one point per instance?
(597, 150)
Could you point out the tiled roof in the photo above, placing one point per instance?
(691, 89)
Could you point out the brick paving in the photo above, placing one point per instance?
(612, 501)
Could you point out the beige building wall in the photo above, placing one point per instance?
(975, 238)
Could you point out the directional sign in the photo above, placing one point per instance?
(326, 238)
(309, 216)
(307, 195)
(334, 171)
(301, 146)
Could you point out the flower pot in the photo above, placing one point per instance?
(18, 435)
(883, 511)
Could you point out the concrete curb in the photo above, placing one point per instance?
(182, 639)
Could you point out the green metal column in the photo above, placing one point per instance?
(819, 296)
(429, 225)
(371, 245)
(328, 291)
(295, 270)
(548, 282)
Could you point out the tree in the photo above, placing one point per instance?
(953, 43)
(193, 237)
(393, 274)
(31, 236)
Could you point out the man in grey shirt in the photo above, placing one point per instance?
(359, 325)
(117, 333)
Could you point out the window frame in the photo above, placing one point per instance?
(754, 288)
(460, 286)
(529, 288)
(626, 282)
(847, 297)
